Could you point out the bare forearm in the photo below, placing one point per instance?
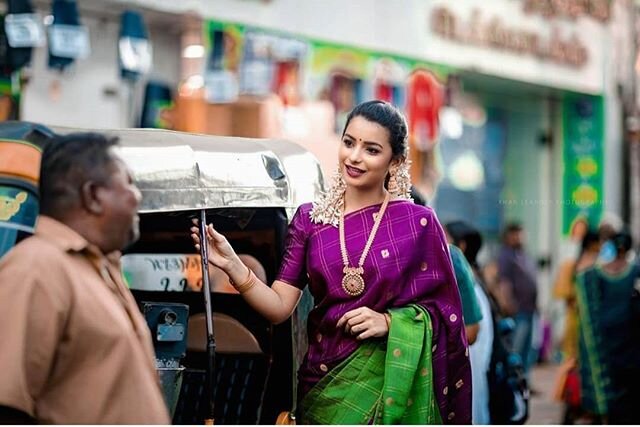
(269, 303)
(275, 303)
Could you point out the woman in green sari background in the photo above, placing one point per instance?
(608, 347)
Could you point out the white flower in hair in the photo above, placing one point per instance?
(328, 208)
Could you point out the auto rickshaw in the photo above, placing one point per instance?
(20, 150)
(249, 189)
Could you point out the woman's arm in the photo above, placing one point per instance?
(472, 332)
(275, 303)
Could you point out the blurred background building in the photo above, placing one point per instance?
(518, 109)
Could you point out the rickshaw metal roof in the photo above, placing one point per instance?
(178, 171)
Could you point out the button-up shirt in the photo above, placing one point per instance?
(74, 348)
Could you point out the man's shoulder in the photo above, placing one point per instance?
(35, 266)
(33, 253)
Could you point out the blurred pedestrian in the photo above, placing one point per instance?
(466, 283)
(564, 289)
(464, 278)
(469, 242)
(567, 387)
(609, 351)
(75, 348)
(609, 226)
(518, 289)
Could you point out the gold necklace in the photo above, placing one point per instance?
(352, 281)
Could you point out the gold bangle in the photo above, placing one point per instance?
(387, 318)
(247, 284)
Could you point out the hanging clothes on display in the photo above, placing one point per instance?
(134, 48)
(424, 99)
(68, 39)
(157, 107)
(20, 31)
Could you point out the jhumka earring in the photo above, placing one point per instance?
(328, 208)
(399, 184)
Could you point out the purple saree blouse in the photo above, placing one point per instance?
(408, 263)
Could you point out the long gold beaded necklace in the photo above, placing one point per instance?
(352, 281)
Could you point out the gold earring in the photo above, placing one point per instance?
(392, 185)
(399, 184)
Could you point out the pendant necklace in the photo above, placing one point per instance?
(352, 281)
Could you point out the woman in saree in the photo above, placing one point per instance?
(564, 289)
(386, 334)
(567, 386)
(609, 351)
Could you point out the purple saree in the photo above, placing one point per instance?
(408, 263)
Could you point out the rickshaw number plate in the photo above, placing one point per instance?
(170, 333)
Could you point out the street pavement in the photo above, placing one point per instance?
(543, 409)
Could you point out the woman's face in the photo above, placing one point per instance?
(365, 154)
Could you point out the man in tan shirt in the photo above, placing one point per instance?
(74, 348)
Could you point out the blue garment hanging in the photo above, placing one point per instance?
(13, 58)
(132, 26)
(157, 98)
(64, 12)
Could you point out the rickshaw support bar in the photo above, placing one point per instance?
(211, 341)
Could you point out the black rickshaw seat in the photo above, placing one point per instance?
(241, 373)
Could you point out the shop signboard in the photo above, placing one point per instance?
(533, 41)
(556, 43)
(171, 272)
(561, 44)
(341, 73)
(163, 272)
(583, 135)
(249, 53)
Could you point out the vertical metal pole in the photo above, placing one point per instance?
(211, 341)
(633, 132)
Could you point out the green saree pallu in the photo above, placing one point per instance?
(381, 382)
(609, 350)
(594, 370)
